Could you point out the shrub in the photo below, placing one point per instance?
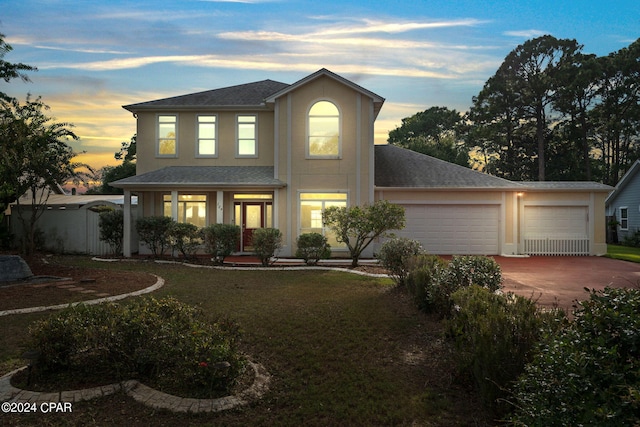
(632, 239)
(494, 336)
(396, 255)
(589, 373)
(165, 343)
(185, 238)
(312, 247)
(474, 270)
(424, 283)
(111, 223)
(266, 244)
(432, 281)
(221, 240)
(155, 231)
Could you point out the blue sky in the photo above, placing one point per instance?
(95, 56)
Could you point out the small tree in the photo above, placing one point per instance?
(155, 231)
(221, 240)
(34, 159)
(111, 225)
(312, 247)
(266, 243)
(358, 226)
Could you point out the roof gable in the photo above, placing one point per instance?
(377, 99)
(626, 180)
(245, 95)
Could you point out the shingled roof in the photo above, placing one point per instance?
(399, 167)
(200, 176)
(245, 95)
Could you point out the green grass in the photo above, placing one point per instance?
(626, 253)
(342, 349)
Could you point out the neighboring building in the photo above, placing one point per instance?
(623, 204)
(69, 224)
(270, 154)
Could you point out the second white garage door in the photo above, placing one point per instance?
(454, 229)
(556, 230)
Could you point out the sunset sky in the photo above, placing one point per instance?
(95, 56)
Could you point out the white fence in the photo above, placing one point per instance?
(559, 245)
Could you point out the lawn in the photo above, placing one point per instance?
(626, 253)
(342, 349)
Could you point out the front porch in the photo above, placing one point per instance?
(247, 196)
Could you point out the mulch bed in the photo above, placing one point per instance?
(65, 284)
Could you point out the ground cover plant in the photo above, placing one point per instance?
(162, 342)
(342, 350)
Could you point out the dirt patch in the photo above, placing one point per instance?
(59, 284)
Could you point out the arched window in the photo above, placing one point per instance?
(324, 130)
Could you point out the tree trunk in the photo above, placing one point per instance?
(540, 127)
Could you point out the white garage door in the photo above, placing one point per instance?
(454, 229)
(556, 230)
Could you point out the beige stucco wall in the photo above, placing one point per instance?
(187, 133)
(350, 173)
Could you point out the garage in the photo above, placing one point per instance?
(556, 230)
(454, 228)
(452, 209)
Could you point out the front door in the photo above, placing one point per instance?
(252, 218)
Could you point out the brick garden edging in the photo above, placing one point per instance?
(159, 283)
(142, 393)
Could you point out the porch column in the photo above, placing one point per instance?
(174, 205)
(126, 236)
(219, 207)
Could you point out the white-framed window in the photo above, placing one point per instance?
(624, 218)
(311, 207)
(207, 139)
(247, 136)
(167, 129)
(192, 208)
(323, 131)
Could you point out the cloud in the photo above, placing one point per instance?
(525, 34)
(362, 26)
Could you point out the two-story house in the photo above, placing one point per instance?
(270, 154)
(263, 154)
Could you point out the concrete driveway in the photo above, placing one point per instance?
(561, 280)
